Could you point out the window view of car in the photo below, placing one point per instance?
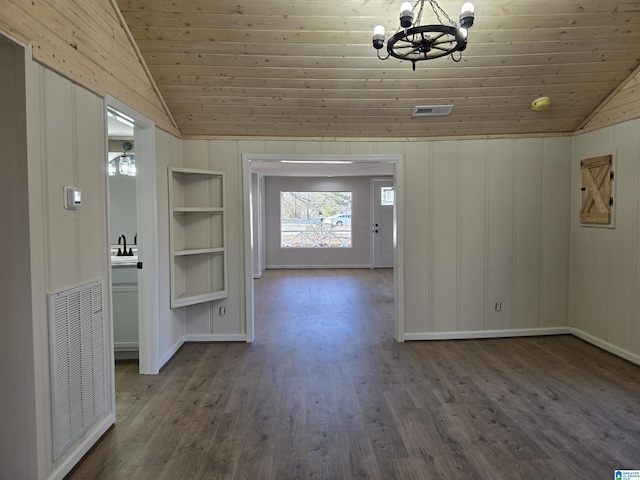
(338, 220)
(315, 219)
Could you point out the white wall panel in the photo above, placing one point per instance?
(485, 221)
(444, 230)
(306, 147)
(205, 319)
(361, 148)
(555, 232)
(590, 247)
(501, 185)
(89, 113)
(170, 322)
(473, 234)
(417, 238)
(59, 165)
(67, 147)
(605, 273)
(528, 233)
(18, 455)
(623, 240)
(333, 148)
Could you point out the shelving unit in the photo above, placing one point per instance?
(197, 236)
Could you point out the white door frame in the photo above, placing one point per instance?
(147, 213)
(398, 227)
(374, 207)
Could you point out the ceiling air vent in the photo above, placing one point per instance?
(432, 110)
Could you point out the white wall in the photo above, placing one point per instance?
(359, 255)
(67, 146)
(257, 187)
(485, 221)
(171, 323)
(17, 401)
(605, 270)
(203, 321)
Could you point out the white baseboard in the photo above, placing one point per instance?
(83, 447)
(521, 332)
(620, 352)
(126, 346)
(172, 351)
(256, 276)
(216, 337)
(324, 265)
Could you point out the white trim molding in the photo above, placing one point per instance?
(216, 337)
(81, 449)
(476, 334)
(620, 352)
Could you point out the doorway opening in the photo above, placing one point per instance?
(254, 165)
(123, 234)
(134, 294)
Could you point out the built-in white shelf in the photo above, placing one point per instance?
(197, 236)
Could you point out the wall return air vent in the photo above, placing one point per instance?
(432, 110)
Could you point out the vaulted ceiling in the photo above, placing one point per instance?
(306, 68)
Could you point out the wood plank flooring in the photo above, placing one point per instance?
(326, 393)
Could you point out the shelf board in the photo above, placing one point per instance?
(198, 251)
(191, 299)
(211, 210)
(181, 172)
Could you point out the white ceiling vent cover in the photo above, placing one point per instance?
(432, 110)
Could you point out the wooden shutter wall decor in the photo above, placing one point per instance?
(597, 176)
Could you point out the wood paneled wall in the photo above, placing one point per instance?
(86, 42)
(622, 105)
(605, 267)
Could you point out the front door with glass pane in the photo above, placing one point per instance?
(382, 225)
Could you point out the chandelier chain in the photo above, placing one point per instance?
(435, 7)
(419, 15)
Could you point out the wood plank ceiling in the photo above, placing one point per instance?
(306, 68)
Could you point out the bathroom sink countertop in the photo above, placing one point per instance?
(124, 261)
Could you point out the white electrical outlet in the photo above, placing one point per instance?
(498, 306)
(222, 311)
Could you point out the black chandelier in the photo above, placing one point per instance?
(414, 42)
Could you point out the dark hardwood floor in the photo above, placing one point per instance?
(326, 393)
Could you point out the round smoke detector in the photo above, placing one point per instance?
(540, 104)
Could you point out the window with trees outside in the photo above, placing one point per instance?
(315, 219)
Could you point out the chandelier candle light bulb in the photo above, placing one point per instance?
(406, 15)
(378, 36)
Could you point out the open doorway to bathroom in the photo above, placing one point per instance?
(123, 234)
(141, 239)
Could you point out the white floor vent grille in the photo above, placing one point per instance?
(78, 366)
